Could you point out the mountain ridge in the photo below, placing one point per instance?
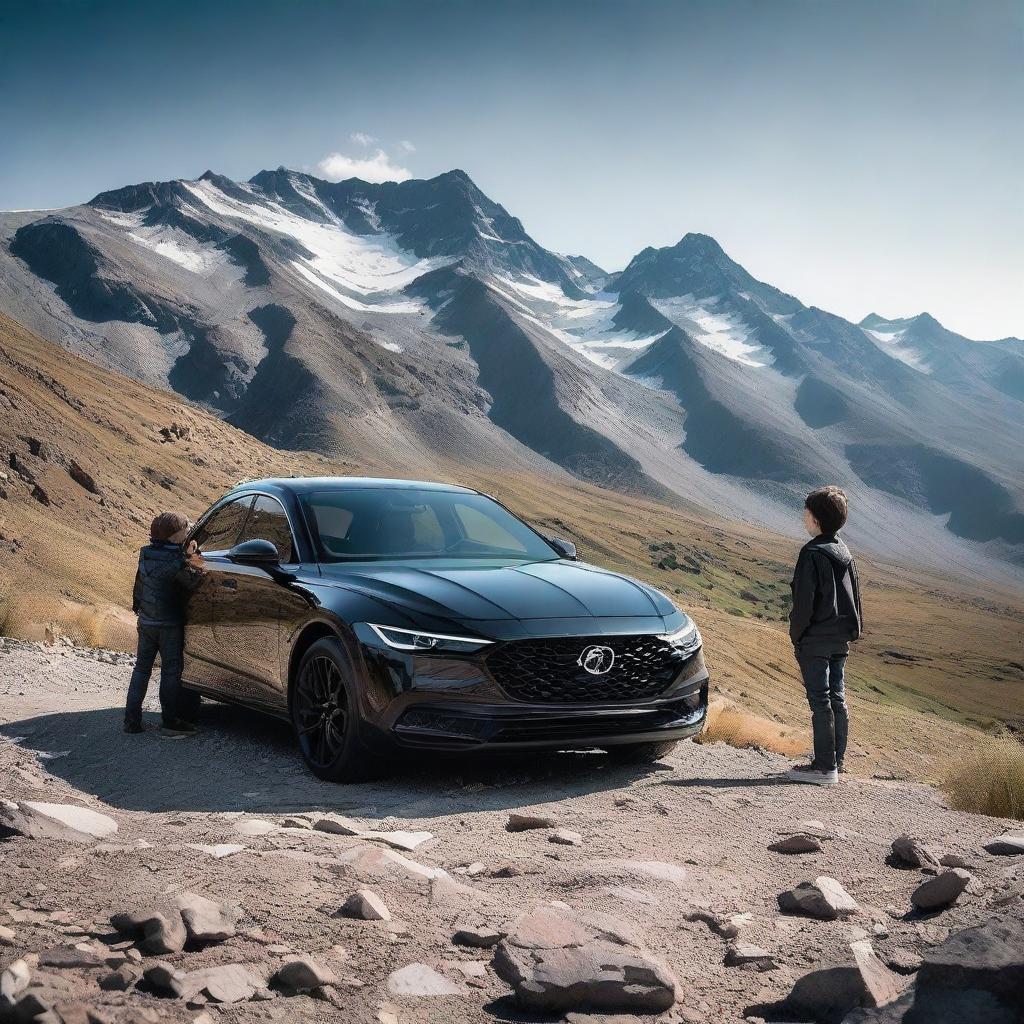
(405, 317)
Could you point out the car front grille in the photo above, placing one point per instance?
(549, 671)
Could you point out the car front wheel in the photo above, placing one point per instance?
(325, 717)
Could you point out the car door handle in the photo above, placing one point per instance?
(229, 584)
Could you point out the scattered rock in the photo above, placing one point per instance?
(739, 954)
(798, 842)
(7, 936)
(302, 975)
(120, 980)
(64, 957)
(158, 933)
(164, 979)
(481, 936)
(954, 860)
(13, 981)
(229, 983)
(336, 825)
(205, 921)
(942, 890)
(37, 820)
(525, 822)
(366, 905)
(1008, 844)
(566, 837)
(824, 898)
(903, 961)
(418, 980)
(220, 850)
(254, 827)
(913, 853)
(558, 960)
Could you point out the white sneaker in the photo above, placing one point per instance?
(814, 776)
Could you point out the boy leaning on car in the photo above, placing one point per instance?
(167, 574)
(825, 618)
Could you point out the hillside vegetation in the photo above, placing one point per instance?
(90, 456)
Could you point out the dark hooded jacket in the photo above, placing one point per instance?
(826, 613)
(162, 585)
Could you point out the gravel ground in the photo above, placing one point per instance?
(659, 845)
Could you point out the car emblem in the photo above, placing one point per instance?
(597, 660)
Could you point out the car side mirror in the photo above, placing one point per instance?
(255, 552)
(564, 547)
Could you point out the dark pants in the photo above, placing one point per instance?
(169, 643)
(824, 682)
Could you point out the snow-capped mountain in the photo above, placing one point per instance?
(420, 320)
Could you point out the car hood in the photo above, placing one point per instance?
(532, 590)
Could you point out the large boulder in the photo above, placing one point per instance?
(823, 898)
(976, 975)
(70, 822)
(557, 960)
(829, 993)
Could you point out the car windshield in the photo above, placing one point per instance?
(362, 523)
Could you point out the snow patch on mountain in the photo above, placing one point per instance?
(361, 272)
(890, 339)
(585, 325)
(718, 329)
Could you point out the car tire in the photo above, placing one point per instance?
(325, 716)
(641, 753)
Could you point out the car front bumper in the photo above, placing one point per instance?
(458, 726)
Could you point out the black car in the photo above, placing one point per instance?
(373, 612)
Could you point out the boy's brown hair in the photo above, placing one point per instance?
(829, 506)
(166, 525)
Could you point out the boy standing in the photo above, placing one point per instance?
(162, 584)
(825, 618)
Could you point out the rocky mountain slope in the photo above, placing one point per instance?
(407, 322)
(699, 890)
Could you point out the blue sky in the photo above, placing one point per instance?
(864, 156)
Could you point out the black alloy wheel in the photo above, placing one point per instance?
(325, 717)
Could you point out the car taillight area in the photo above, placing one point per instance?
(589, 669)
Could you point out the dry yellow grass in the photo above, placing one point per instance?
(988, 780)
(729, 723)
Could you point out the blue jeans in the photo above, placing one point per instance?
(169, 643)
(826, 694)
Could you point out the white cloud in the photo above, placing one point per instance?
(406, 146)
(377, 168)
(362, 139)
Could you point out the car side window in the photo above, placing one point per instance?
(268, 521)
(220, 531)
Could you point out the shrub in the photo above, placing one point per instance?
(729, 723)
(988, 780)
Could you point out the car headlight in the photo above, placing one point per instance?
(416, 640)
(686, 636)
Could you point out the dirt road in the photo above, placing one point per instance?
(660, 847)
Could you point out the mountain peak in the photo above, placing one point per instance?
(700, 245)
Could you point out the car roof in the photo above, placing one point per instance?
(306, 484)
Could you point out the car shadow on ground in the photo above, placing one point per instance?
(742, 783)
(244, 761)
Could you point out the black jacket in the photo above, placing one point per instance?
(162, 584)
(826, 613)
